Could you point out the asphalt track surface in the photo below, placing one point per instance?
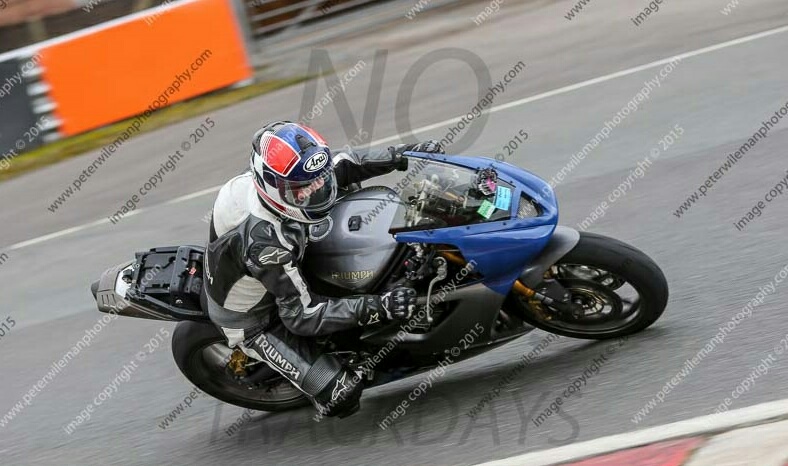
(718, 97)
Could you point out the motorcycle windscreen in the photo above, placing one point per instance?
(440, 195)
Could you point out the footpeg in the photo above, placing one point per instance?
(238, 362)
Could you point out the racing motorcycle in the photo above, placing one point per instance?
(477, 238)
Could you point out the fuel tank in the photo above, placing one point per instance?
(354, 247)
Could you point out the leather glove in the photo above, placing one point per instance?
(399, 303)
(431, 146)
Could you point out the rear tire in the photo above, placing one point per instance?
(194, 347)
(621, 261)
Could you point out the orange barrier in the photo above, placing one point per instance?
(144, 63)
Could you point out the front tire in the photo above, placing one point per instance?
(201, 353)
(596, 272)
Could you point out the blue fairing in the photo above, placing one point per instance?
(500, 250)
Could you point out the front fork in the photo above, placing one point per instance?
(536, 282)
(551, 293)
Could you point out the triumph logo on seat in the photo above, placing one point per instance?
(316, 162)
(275, 358)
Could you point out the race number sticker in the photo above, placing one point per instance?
(503, 198)
(486, 209)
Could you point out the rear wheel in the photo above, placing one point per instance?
(202, 355)
(618, 289)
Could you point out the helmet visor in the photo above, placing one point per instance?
(316, 195)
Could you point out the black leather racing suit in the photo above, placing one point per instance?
(257, 296)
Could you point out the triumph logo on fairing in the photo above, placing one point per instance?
(316, 162)
(277, 360)
(353, 276)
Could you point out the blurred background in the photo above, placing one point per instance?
(120, 85)
(52, 50)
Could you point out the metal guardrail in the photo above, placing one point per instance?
(37, 29)
(280, 34)
(268, 17)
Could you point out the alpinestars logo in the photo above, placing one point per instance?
(373, 319)
(340, 388)
(208, 270)
(275, 358)
(274, 256)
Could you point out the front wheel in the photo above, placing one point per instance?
(619, 290)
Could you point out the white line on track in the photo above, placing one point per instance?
(599, 80)
(713, 423)
(395, 138)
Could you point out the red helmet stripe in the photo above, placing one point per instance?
(278, 154)
(288, 212)
(263, 194)
(315, 135)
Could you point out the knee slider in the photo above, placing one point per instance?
(324, 371)
(332, 387)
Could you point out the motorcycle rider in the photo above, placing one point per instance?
(256, 293)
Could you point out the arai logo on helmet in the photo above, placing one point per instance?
(316, 162)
